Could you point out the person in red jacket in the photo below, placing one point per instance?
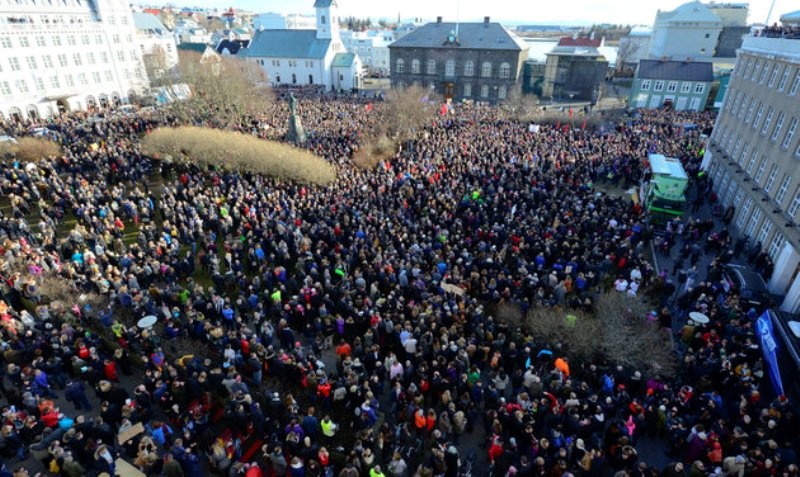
(110, 370)
(496, 450)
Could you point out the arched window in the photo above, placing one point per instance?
(431, 69)
(469, 68)
(450, 68)
(505, 70)
(486, 69)
(502, 92)
(401, 66)
(415, 66)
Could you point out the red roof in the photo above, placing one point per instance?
(569, 41)
(154, 11)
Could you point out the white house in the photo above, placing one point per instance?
(690, 31)
(635, 45)
(372, 47)
(305, 57)
(277, 21)
(156, 42)
(78, 55)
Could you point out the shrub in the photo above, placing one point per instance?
(374, 150)
(30, 149)
(237, 151)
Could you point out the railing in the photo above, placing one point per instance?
(789, 33)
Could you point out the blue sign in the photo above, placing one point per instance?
(770, 348)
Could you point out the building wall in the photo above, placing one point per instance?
(67, 56)
(150, 44)
(464, 87)
(644, 94)
(754, 153)
(681, 40)
(279, 71)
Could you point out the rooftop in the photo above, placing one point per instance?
(286, 44)
(583, 41)
(477, 36)
(689, 12)
(676, 70)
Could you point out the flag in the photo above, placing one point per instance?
(570, 111)
(770, 349)
(444, 110)
(566, 128)
(558, 125)
(369, 107)
(584, 124)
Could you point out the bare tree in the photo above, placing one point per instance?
(227, 92)
(626, 52)
(520, 106)
(406, 111)
(157, 66)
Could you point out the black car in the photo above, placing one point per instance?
(753, 292)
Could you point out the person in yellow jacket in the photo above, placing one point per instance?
(376, 472)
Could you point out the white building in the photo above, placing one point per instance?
(635, 45)
(156, 42)
(189, 31)
(731, 14)
(372, 47)
(277, 21)
(689, 31)
(70, 56)
(307, 57)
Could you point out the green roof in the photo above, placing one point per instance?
(197, 47)
(343, 60)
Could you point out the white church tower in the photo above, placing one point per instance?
(327, 19)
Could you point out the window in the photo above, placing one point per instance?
(54, 82)
(31, 62)
(784, 78)
(469, 68)
(21, 85)
(787, 179)
(62, 60)
(96, 77)
(5, 88)
(505, 70)
(502, 91)
(686, 87)
(5, 42)
(115, 38)
(742, 108)
(98, 39)
(778, 126)
(750, 111)
(56, 40)
(486, 69)
(766, 229)
(71, 40)
(38, 83)
(40, 41)
(764, 73)
(645, 85)
(14, 62)
(743, 157)
(659, 86)
(23, 42)
(484, 91)
(773, 172)
(795, 83)
(294, 78)
(761, 167)
(400, 65)
(450, 68)
(744, 213)
(773, 76)
(672, 87)
(737, 148)
(787, 141)
(758, 116)
(746, 63)
(85, 39)
(69, 80)
(104, 58)
(756, 69)
(768, 120)
(430, 67)
(754, 220)
(76, 57)
(776, 245)
(415, 66)
(467, 90)
(82, 79)
(792, 210)
(48, 61)
(90, 58)
(322, 19)
(738, 198)
(735, 104)
(699, 88)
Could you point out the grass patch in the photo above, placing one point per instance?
(237, 151)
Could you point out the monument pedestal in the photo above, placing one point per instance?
(296, 132)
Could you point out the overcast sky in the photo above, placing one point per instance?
(525, 11)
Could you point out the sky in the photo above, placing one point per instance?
(637, 12)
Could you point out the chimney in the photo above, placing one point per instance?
(438, 20)
(486, 20)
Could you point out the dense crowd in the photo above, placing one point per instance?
(348, 329)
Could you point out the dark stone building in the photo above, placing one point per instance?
(478, 61)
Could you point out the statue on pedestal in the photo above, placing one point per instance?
(296, 132)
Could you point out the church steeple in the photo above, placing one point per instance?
(327, 19)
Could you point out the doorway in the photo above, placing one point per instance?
(449, 90)
(62, 105)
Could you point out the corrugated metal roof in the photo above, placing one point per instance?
(286, 44)
(478, 36)
(675, 70)
(343, 60)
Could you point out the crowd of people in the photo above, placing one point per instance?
(348, 330)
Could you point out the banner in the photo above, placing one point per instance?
(770, 348)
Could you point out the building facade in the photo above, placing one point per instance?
(67, 57)
(689, 31)
(372, 47)
(467, 61)
(575, 68)
(157, 45)
(754, 151)
(305, 57)
(681, 85)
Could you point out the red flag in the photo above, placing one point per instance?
(558, 125)
(584, 124)
(570, 111)
(566, 128)
(444, 110)
(369, 107)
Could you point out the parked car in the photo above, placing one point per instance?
(752, 289)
